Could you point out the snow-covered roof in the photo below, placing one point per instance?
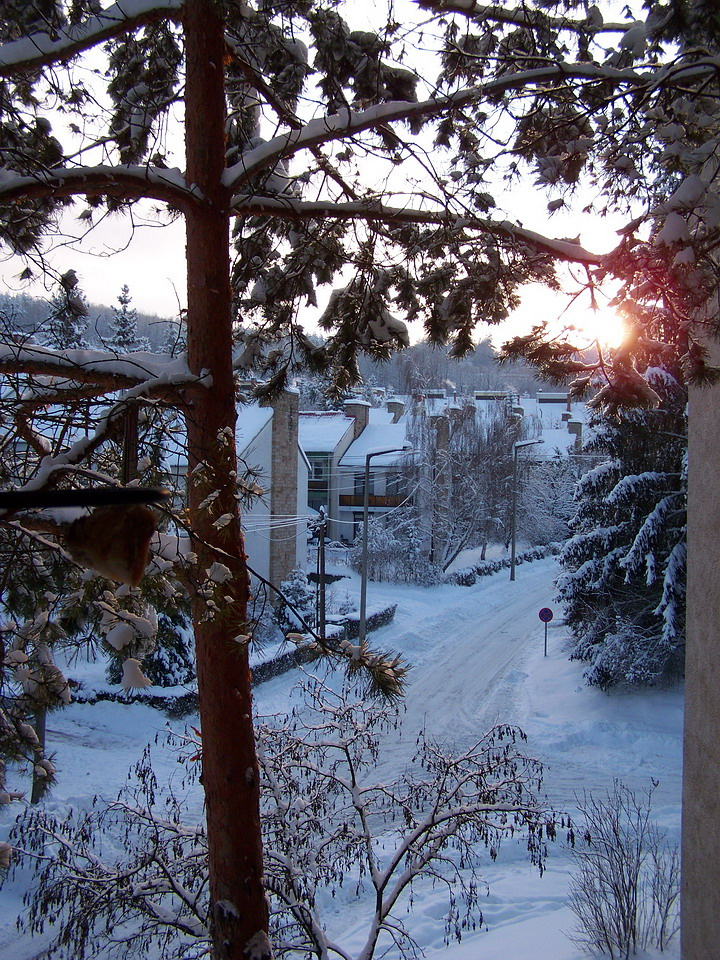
(556, 439)
(320, 431)
(377, 436)
(379, 415)
(251, 419)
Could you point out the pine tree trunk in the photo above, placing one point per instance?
(229, 767)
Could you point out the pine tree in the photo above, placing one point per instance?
(124, 337)
(623, 589)
(67, 324)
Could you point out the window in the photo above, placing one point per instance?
(360, 485)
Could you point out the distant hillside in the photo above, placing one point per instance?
(29, 314)
(424, 366)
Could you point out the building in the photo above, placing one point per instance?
(269, 455)
(324, 437)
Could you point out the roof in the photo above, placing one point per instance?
(377, 436)
(250, 421)
(320, 431)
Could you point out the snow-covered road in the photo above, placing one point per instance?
(476, 657)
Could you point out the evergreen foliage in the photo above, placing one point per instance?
(623, 588)
(67, 324)
(125, 337)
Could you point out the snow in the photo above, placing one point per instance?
(476, 656)
(377, 437)
(62, 43)
(252, 418)
(321, 431)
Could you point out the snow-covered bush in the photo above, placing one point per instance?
(395, 551)
(132, 872)
(301, 594)
(625, 890)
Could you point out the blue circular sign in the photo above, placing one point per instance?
(546, 614)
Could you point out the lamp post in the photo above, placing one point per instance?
(516, 447)
(364, 557)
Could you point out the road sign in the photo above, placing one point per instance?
(546, 614)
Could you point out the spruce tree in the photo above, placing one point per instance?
(67, 324)
(124, 337)
(623, 588)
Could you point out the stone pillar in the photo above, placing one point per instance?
(283, 485)
(360, 411)
(396, 408)
(701, 775)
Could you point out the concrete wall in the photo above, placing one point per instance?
(256, 519)
(701, 776)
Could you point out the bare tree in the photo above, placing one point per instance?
(330, 820)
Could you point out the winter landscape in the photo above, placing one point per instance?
(337, 342)
(476, 658)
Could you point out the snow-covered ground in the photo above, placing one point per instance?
(477, 657)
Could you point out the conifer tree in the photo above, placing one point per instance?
(623, 588)
(67, 323)
(124, 337)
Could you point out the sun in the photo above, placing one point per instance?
(602, 325)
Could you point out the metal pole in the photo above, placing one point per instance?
(364, 560)
(321, 573)
(516, 447)
(514, 513)
(545, 638)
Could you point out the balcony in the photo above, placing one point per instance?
(348, 500)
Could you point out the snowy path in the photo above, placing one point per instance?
(478, 660)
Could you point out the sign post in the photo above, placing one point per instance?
(546, 616)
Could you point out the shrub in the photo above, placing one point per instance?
(626, 888)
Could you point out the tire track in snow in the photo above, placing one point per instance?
(461, 688)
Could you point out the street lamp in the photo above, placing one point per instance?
(364, 560)
(516, 447)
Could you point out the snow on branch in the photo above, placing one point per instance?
(147, 370)
(348, 122)
(127, 182)
(38, 49)
(291, 208)
(522, 16)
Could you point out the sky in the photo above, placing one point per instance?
(150, 260)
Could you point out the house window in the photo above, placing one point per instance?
(360, 485)
(319, 470)
(392, 485)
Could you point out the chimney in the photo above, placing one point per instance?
(360, 411)
(396, 408)
(441, 425)
(575, 427)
